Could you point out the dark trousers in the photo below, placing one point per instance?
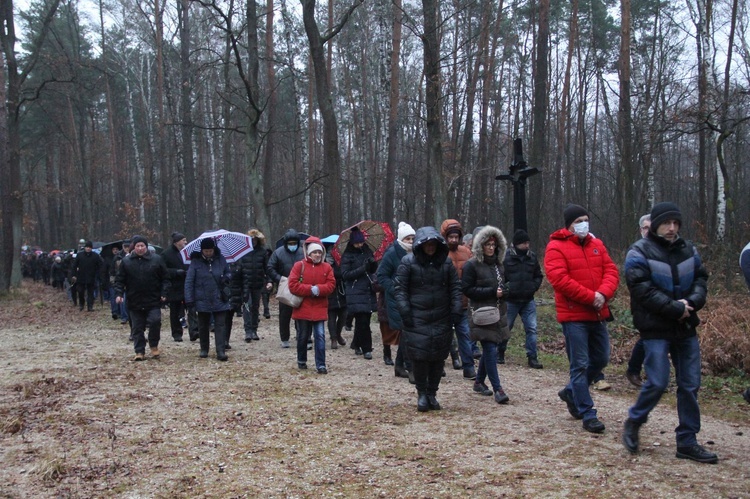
(176, 312)
(86, 290)
(336, 319)
(427, 375)
(140, 319)
(204, 333)
(285, 320)
(362, 331)
(637, 356)
(251, 312)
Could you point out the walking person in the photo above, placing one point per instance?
(358, 267)
(207, 291)
(177, 272)
(667, 283)
(142, 277)
(428, 297)
(312, 278)
(279, 265)
(86, 268)
(635, 363)
(483, 282)
(584, 278)
(252, 279)
(336, 302)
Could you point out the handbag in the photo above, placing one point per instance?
(485, 316)
(287, 297)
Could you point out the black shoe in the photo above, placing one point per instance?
(222, 357)
(412, 379)
(80, 309)
(593, 425)
(248, 339)
(635, 379)
(433, 402)
(630, 435)
(400, 372)
(178, 339)
(482, 389)
(357, 351)
(457, 364)
(501, 359)
(193, 337)
(470, 373)
(367, 355)
(322, 370)
(227, 347)
(443, 375)
(501, 397)
(341, 341)
(115, 316)
(568, 399)
(476, 354)
(301, 366)
(423, 405)
(697, 453)
(534, 363)
(203, 354)
(387, 360)
(267, 315)
(254, 336)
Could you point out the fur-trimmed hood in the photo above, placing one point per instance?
(482, 236)
(256, 234)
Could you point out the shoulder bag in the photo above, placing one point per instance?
(285, 296)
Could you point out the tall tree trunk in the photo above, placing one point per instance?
(437, 211)
(393, 116)
(624, 195)
(541, 79)
(186, 184)
(161, 176)
(268, 166)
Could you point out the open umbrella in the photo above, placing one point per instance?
(233, 245)
(302, 237)
(378, 236)
(330, 239)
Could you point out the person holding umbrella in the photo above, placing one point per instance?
(207, 291)
(358, 267)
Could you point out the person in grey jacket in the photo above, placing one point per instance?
(429, 300)
(279, 265)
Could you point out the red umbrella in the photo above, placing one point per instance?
(378, 236)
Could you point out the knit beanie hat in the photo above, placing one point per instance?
(314, 247)
(138, 239)
(357, 236)
(177, 236)
(520, 237)
(208, 243)
(573, 211)
(661, 212)
(404, 230)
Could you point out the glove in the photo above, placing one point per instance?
(315, 291)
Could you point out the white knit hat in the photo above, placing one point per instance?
(404, 230)
(314, 247)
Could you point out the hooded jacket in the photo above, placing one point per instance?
(282, 260)
(207, 282)
(659, 274)
(428, 298)
(357, 269)
(480, 281)
(577, 269)
(386, 280)
(252, 268)
(304, 275)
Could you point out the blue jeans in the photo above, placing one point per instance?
(318, 331)
(637, 356)
(527, 310)
(587, 347)
(464, 343)
(686, 358)
(488, 365)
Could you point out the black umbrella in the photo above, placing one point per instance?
(302, 237)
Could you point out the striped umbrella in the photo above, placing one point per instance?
(233, 245)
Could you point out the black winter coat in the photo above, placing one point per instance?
(523, 275)
(176, 273)
(357, 269)
(659, 274)
(337, 299)
(282, 260)
(428, 298)
(87, 267)
(143, 279)
(251, 271)
(207, 283)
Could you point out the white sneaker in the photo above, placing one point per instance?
(284, 344)
(601, 385)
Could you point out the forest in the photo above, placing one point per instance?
(146, 116)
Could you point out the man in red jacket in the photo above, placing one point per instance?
(584, 278)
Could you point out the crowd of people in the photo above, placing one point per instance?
(437, 293)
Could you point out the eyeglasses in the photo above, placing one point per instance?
(489, 245)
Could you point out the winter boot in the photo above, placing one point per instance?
(205, 342)
(334, 344)
(423, 404)
(387, 355)
(454, 356)
(221, 343)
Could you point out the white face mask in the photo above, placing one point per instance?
(581, 229)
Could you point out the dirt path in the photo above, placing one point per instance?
(78, 419)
